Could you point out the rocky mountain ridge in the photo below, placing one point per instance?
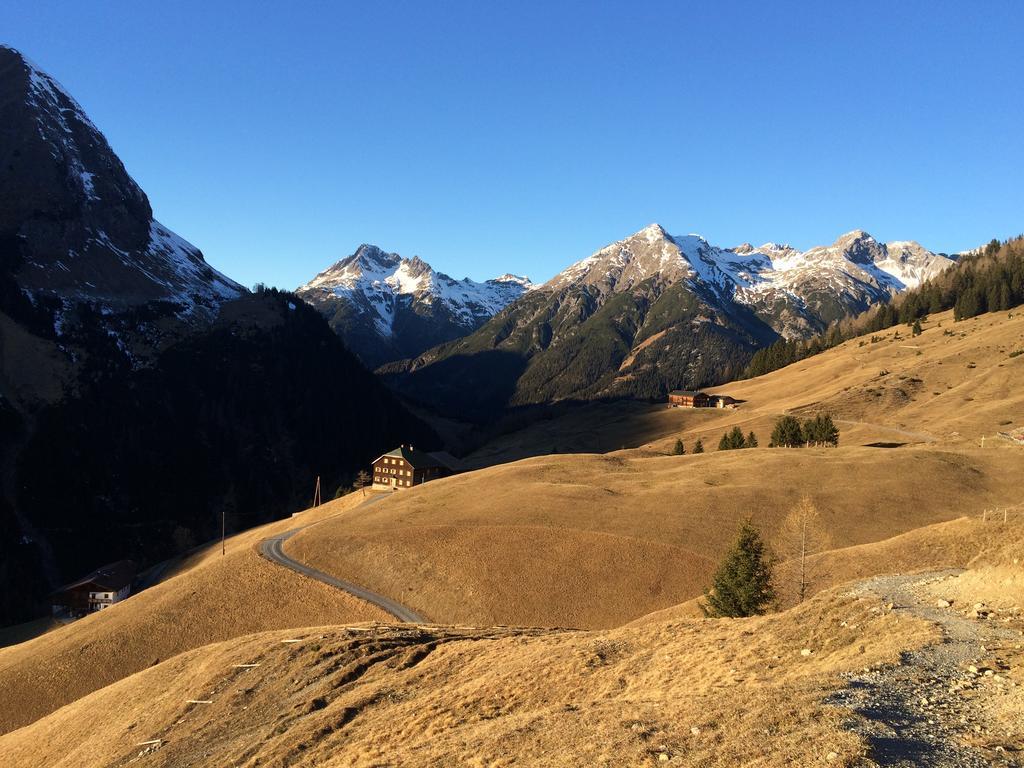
(653, 312)
(74, 226)
(387, 307)
(796, 292)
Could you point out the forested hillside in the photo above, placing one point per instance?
(988, 280)
(241, 418)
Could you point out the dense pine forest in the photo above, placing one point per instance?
(988, 280)
(238, 419)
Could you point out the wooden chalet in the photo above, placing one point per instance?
(685, 398)
(406, 466)
(100, 589)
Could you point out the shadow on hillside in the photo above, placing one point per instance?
(475, 388)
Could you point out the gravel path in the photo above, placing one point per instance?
(924, 710)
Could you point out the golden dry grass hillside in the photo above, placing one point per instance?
(579, 540)
(952, 385)
(209, 598)
(588, 540)
(595, 541)
(668, 689)
(429, 696)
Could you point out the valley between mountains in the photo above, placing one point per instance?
(542, 600)
(612, 548)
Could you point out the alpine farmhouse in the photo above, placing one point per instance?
(406, 466)
(683, 398)
(100, 589)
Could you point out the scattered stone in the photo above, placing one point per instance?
(695, 731)
(943, 603)
(832, 756)
(663, 757)
(806, 652)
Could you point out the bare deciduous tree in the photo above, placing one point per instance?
(801, 538)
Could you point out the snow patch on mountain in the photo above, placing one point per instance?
(382, 281)
(855, 270)
(193, 279)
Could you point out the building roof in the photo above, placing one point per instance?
(423, 459)
(686, 393)
(108, 578)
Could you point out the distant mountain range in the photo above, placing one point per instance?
(387, 307)
(652, 312)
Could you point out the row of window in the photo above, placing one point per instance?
(393, 471)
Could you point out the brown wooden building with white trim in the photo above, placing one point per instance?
(100, 589)
(406, 466)
(685, 398)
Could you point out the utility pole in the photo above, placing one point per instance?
(316, 492)
(223, 528)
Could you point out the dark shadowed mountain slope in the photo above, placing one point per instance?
(142, 393)
(83, 227)
(241, 418)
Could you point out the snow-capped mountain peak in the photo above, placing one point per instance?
(387, 306)
(817, 285)
(521, 280)
(85, 228)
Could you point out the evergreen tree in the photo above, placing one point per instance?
(828, 432)
(698, 447)
(742, 585)
(787, 433)
(362, 479)
(916, 330)
(732, 440)
(751, 441)
(821, 430)
(678, 449)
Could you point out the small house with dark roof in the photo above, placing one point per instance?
(407, 466)
(102, 588)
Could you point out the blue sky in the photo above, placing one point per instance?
(493, 137)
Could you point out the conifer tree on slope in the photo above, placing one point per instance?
(733, 440)
(743, 583)
(787, 433)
